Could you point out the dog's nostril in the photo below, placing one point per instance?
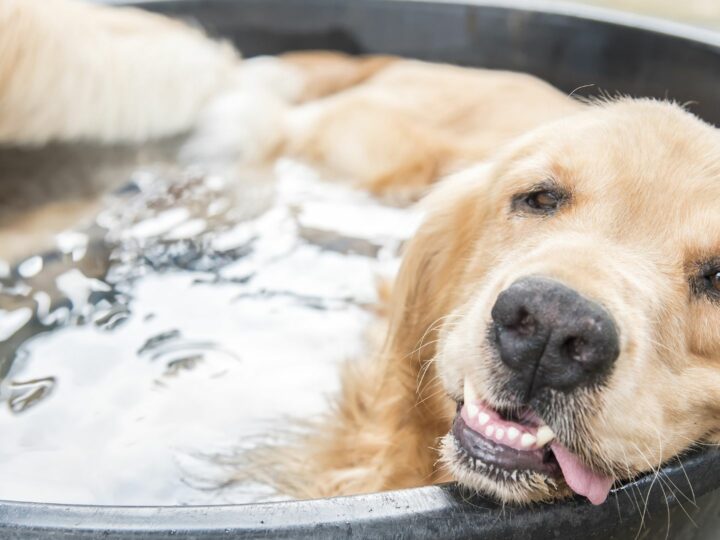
(526, 323)
(520, 322)
(573, 348)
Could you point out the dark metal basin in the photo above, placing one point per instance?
(569, 47)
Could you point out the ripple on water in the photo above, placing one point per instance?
(182, 323)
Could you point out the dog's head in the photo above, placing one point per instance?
(569, 293)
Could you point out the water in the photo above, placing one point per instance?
(192, 317)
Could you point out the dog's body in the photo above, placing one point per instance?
(561, 283)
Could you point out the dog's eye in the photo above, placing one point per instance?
(708, 281)
(543, 200)
(539, 201)
(713, 280)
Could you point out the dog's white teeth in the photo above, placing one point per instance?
(483, 418)
(489, 431)
(513, 433)
(470, 394)
(499, 434)
(544, 435)
(472, 410)
(527, 440)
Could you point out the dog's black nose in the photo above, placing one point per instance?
(551, 336)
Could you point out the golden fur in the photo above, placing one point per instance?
(636, 236)
(631, 240)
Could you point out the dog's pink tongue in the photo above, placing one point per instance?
(581, 479)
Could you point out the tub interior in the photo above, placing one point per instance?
(193, 310)
(187, 319)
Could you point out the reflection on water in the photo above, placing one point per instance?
(193, 316)
(26, 393)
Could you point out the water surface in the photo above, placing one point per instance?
(194, 315)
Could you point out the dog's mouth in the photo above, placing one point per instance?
(510, 446)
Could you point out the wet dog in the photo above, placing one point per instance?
(552, 329)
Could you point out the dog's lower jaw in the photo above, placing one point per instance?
(521, 487)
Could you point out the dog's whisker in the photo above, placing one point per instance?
(656, 478)
(430, 396)
(667, 479)
(634, 492)
(435, 325)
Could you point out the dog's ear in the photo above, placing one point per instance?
(428, 285)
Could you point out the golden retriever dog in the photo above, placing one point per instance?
(554, 327)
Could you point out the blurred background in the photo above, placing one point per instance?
(699, 12)
(703, 13)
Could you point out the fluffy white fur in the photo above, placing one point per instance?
(70, 70)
